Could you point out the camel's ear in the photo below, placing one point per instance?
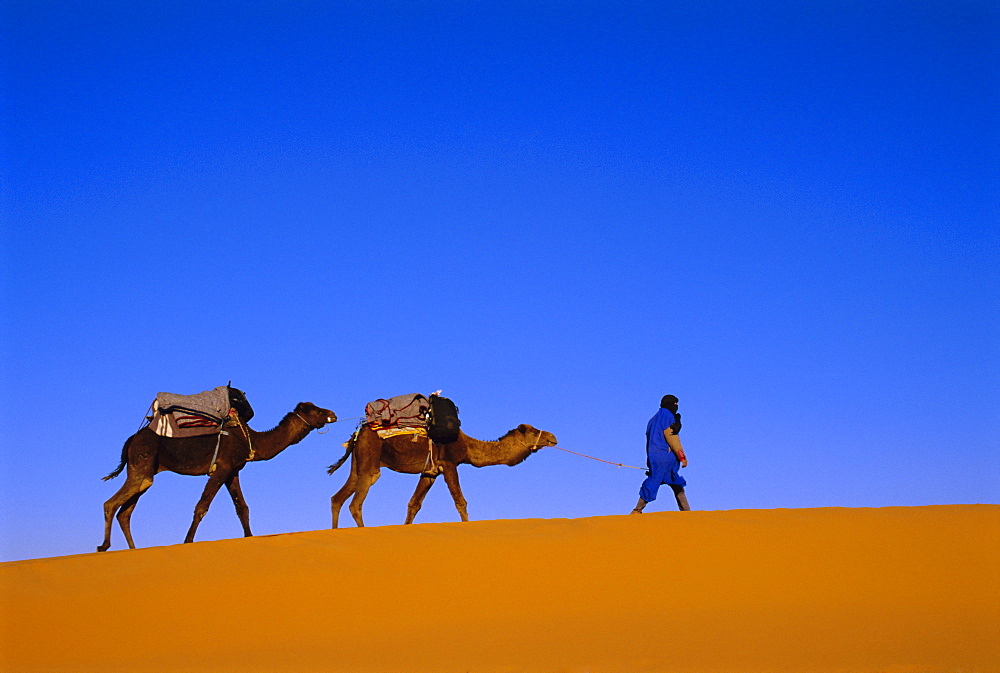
(522, 428)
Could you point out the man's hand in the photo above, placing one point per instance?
(674, 442)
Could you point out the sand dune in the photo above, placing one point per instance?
(895, 589)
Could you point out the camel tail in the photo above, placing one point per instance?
(350, 449)
(121, 465)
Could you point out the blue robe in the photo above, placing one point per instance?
(662, 462)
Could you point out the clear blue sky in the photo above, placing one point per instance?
(784, 213)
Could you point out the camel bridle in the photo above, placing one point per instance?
(534, 446)
(308, 424)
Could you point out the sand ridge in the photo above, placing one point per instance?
(905, 589)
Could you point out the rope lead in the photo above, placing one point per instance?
(619, 465)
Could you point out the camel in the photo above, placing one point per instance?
(409, 454)
(146, 454)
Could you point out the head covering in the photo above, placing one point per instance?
(670, 402)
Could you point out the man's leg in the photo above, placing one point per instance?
(651, 485)
(682, 499)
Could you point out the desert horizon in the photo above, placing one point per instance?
(828, 589)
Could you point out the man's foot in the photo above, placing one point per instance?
(636, 511)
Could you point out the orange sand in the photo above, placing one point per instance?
(902, 590)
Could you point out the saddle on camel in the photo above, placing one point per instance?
(206, 413)
(201, 414)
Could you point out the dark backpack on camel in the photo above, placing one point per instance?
(443, 425)
(238, 401)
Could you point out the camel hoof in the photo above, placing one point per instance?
(102, 548)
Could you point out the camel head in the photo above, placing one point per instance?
(315, 416)
(537, 438)
(532, 439)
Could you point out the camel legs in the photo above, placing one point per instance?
(123, 502)
(451, 478)
(125, 518)
(424, 485)
(341, 496)
(211, 488)
(365, 482)
(242, 509)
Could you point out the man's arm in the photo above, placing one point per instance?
(674, 442)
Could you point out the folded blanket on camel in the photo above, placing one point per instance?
(190, 415)
(400, 415)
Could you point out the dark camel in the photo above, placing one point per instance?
(409, 454)
(146, 454)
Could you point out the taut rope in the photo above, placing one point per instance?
(599, 459)
(320, 432)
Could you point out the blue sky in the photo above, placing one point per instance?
(783, 213)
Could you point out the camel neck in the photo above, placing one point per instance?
(505, 451)
(268, 444)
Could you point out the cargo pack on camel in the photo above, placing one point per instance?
(400, 415)
(201, 414)
(435, 417)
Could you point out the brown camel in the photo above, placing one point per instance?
(409, 454)
(146, 454)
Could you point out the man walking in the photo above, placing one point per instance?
(664, 456)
